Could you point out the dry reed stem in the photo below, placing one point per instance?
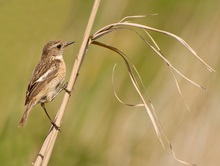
(47, 147)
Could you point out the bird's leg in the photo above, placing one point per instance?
(56, 127)
(64, 88)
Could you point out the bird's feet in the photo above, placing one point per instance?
(55, 126)
(64, 88)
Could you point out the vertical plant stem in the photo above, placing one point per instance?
(47, 147)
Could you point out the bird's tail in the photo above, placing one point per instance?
(25, 114)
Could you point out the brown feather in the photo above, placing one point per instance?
(47, 78)
(35, 87)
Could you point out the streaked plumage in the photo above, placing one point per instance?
(47, 78)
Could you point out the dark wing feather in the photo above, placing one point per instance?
(42, 75)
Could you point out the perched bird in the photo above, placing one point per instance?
(47, 78)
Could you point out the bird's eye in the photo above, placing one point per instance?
(59, 46)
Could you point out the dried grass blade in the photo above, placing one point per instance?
(156, 124)
(178, 88)
(152, 39)
(153, 117)
(145, 91)
(174, 77)
(156, 50)
(129, 17)
(170, 65)
(116, 95)
(169, 34)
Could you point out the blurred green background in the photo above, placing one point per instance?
(97, 130)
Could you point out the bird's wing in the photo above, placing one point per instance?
(42, 75)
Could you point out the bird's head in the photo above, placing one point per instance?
(54, 49)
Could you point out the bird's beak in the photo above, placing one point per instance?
(69, 43)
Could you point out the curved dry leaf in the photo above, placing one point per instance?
(150, 109)
(153, 117)
(116, 95)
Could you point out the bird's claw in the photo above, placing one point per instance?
(55, 126)
(67, 91)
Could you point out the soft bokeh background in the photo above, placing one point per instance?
(97, 130)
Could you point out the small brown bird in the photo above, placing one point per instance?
(47, 79)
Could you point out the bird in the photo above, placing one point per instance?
(47, 79)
